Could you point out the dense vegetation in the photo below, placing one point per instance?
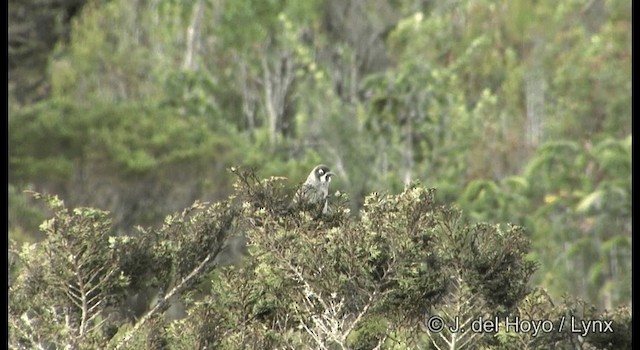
(387, 279)
(518, 113)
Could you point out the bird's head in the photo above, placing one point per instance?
(322, 173)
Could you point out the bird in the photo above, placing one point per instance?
(316, 188)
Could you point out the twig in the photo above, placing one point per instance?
(162, 303)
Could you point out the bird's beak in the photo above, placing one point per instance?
(327, 177)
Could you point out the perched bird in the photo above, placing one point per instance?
(316, 188)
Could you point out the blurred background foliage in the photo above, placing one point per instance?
(517, 111)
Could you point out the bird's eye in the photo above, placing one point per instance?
(320, 171)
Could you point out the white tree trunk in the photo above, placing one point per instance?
(193, 37)
(535, 85)
(277, 82)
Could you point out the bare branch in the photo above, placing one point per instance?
(163, 302)
(362, 313)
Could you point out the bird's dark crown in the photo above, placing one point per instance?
(321, 170)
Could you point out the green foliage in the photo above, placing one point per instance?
(579, 195)
(43, 123)
(475, 47)
(518, 111)
(593, 97)
(310, 281)
(150, 150)
(71, 288)
(110, 55)
(493, 268)
(594, 219)
(66, 284)
(568, 330)
(24, 216)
